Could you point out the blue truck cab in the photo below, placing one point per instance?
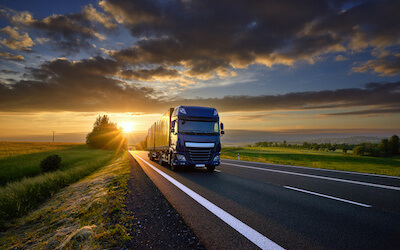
(193, 138)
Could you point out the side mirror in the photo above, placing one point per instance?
(222, 126)
(222, 132)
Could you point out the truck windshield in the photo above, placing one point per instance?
(198, 127)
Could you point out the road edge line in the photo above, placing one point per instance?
(248, 232)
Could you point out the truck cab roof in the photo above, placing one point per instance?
(196, 113)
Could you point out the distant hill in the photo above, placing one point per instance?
(300, 136)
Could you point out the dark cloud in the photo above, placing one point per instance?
(377, 111)
(87, 85)
(69, 32)
(374, 94)
(159, 73)
(209, 37)
(91, 85)
(6, 71)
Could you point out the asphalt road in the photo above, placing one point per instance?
(270, 206)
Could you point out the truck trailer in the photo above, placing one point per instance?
(186, 137)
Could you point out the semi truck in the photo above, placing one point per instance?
(186, 137)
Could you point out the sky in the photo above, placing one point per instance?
(312, 68)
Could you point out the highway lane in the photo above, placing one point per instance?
(293, 207)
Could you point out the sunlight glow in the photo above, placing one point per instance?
(127, 127)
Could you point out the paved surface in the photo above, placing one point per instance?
(293, 207)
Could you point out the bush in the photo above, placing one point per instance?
(50, 163)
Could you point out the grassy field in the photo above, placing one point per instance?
(21, 161)
(23, 184)
(88, 214)
(316, 159)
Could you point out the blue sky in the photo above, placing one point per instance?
(282, 65)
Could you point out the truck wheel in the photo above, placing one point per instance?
(210, 168)
(174, 168)
(160, 161)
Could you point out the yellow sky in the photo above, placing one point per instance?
(25, 125)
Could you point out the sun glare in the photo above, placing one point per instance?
(127, 127)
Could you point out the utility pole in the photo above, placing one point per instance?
(53, 135)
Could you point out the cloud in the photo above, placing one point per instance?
(86, 85)
(386, 65)
(158, 74)
(92, 85)
(212, 38)
(376, 111)
(9, 56)
(374, 94)
(90, 13)
(68, 32)
(341, 58)
(16, 41)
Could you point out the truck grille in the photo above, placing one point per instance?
(200, 155)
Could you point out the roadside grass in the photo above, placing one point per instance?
(80, 216)
(19, 197)
(315, 159)
(14, 168)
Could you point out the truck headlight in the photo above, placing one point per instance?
(216, 158)
(180, 157)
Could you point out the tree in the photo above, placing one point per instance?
(359, 150)
(106, 135)
(384, 146)
(394, 145)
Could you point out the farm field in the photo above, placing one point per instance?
(315, 159)
(24, 186)
(22, 159)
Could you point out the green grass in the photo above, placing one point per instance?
(9, 149)
(316, 159)
(14, 168)
(30, 187)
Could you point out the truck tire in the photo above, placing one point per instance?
(210, 168)
(160, 161)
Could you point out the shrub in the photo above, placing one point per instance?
(50, 163)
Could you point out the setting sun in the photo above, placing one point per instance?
(127, 127)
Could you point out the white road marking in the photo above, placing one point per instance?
(216, 170)
(319, 177)
(327, 196)
(248, 232)
(318, 169)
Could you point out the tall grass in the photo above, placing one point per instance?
(316, 159)
(17, 198)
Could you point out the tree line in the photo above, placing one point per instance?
(386, 148)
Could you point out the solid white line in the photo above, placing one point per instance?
(319, 177)
(248, 232)
(318, 169)
(216, 170)
(327, 196)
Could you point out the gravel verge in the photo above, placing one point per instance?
(156, 223)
